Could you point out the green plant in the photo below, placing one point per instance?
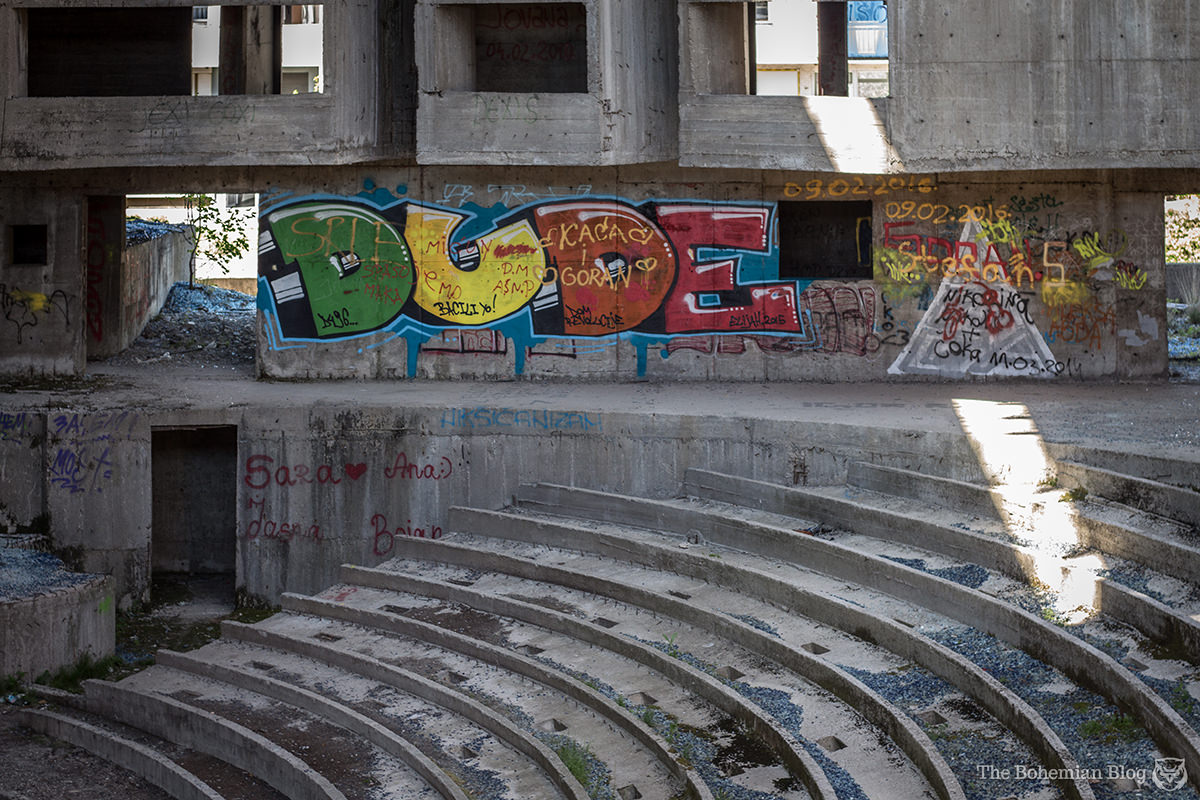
(1112, 728)
(1074, 495)
(214, 235)
(1182, 230)
(1049, 482)
(1181, 699)
(575, 758)
(648, 716)
(12, 684)
(70, 678)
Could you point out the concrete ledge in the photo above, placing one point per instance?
(209, 733)
(1147, 495)
(142, 761)
(1010, 710)
(1174, 471)
(421, 687)
(898, 727)
(509, 661)
(336, 713)
(1152, 618)
(789, 750)
(968, 497)
(53, 630)
(1077, 659)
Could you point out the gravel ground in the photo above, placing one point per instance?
(28, 573)
(200, 327)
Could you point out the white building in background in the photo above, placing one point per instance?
(787, 52)
(303, 49)
(302, 35)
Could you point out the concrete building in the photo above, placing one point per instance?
(585, 190)
(998, 213)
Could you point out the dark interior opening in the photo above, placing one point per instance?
(531, 47)
(825, 239)
(194, 499)
(29, 244)
(109, 52)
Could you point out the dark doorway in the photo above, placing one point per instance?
(194, 486)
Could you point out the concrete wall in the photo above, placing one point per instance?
(494, 274)
(84, 479)
(341, 484)
(148, 271)
(54, 629)
(42, 305)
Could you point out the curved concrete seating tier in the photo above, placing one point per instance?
(1079, 660)
(677, 671)
(894, 636)
(143, 761)
(916, 528)
(487, 657)
(428, 690)
(317, 704)
(874, 708)
(209, 733)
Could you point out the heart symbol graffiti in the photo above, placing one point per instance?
(355, 471)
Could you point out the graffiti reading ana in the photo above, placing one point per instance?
(406, 470)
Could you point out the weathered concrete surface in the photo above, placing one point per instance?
(332, 473)
(53, 629)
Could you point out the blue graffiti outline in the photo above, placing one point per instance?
(750, 268)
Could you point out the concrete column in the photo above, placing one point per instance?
(105, 245)
(833, 48)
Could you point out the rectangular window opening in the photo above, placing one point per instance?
(530, 48)
(825, 239)
(813, 48)
(29, 245)
(173, 51)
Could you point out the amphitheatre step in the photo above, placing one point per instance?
(754, 655)
(1104, 522)
(1160, 606)
(420, 715)
(1178, 472)
(146, 760)
(508, 681)
(233, 760)
(1042, 640)
(338, 762)
(1173, 502)
(575, 642)
(245, 668)
(847, 608)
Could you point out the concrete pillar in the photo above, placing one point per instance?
(833, 48)
(251, 50)
(105, 245)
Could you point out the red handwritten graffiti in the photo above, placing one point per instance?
(403, 468)
(260, 474)
(385, 539)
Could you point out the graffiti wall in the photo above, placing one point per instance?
(500, 280)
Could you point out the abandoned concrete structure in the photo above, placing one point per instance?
(591, 190)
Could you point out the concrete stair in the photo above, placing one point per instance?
(880, 639)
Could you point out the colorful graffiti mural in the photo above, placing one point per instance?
(959, 288)
(340, 268)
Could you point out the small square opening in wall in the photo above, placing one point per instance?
(30, 244)
(531, 48)
(825, 239)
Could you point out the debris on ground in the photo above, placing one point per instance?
(199, 326)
